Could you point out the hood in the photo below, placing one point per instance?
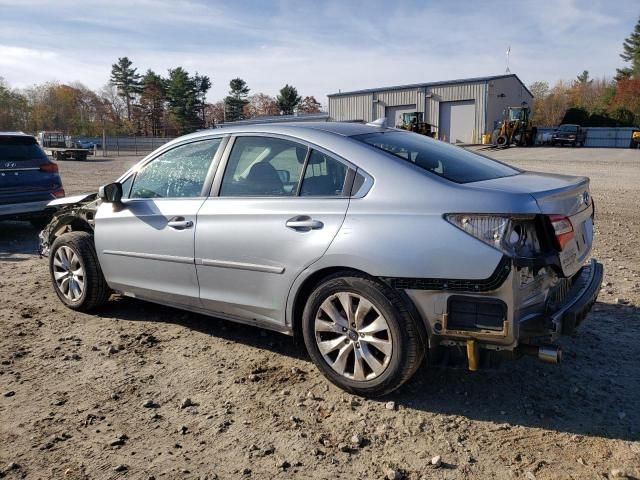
(71, 200)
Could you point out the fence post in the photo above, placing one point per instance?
(118, 146)
(152, 137)
(135, 144)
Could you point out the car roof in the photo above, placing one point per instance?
(345, 129)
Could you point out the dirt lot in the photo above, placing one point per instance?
(73, 387)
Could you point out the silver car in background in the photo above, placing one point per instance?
(375, 245)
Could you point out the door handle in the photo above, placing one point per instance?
(304, 223)
(179, 223)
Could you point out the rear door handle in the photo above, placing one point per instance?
(304, 223)
(179, 223)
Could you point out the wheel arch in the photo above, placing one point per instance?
(304, 286)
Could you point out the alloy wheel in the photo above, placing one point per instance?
(68, 273)
(353, 336)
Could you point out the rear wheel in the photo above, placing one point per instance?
(75, 272)
(502, 141)
(360, 335)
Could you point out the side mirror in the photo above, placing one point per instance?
(110, 193)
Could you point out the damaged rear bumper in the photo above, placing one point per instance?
(579, 300)
(583, 295)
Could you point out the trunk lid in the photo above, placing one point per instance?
(563, 195)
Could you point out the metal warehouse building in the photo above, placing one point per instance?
(460, 111)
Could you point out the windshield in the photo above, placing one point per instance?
(569, 128)
(516, 114)
(445, 160)
(20, 148)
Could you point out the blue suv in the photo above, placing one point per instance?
(29, 180)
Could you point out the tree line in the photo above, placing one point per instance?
(140, 104)
(594, 102)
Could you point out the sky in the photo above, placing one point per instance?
(320, 47)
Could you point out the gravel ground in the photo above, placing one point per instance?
(142, 391)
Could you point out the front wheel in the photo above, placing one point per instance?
(75, 272)
(360, 335)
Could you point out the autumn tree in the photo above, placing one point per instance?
(14, 108)
(214, 114)
(236, 100)
(260, 105)
(631, 54)
(627, 96)
(309, 104)
(126, 78)
(288, 99)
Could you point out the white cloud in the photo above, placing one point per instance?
(318, 47)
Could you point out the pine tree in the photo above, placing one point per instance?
(631, 53)
(202, 85)
(236, 100)
(288, 99)
(182, 95)
(124, 76)
(152, 102)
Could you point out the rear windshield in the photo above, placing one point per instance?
(445, 160)
(20, 148)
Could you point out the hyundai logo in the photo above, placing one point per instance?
(586, 198)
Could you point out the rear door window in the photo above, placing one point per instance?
(263, 166)
(453, 163)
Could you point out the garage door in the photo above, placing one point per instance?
(394, 114)
(457, 120)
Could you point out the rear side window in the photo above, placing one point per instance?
(20, 148)
(445, 160)
(324, 176)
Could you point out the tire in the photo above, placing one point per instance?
(388, 357)
(87, 290)
(502, 141)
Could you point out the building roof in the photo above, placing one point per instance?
(14, 134)
(301, 117)
(432, 84)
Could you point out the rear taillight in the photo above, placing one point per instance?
(513, 235)
(49, 167)
(58, 193)
(563, 230)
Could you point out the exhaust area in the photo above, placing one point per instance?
(550, 354)
(545, 353)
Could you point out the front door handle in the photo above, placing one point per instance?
(179, 223)
(304, 223)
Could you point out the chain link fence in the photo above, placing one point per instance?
(122, 145)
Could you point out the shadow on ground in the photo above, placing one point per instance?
(586, 395)
(18, 241)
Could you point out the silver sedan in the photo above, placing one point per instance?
(375, 245)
